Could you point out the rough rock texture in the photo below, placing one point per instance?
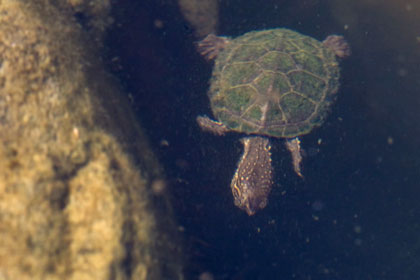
(94, 16)
(72, 204)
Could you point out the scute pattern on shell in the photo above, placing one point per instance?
(273, 82)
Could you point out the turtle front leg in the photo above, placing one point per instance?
(338, 45)
(253, 177)
(210, 46)
(293, 145)
(215, 127)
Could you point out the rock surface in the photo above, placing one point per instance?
(72, 203)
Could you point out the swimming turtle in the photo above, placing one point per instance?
(269, 83)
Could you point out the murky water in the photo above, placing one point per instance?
(355, 215)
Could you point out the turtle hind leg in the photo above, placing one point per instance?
(293, 145)
(215, 127)
(210, 46)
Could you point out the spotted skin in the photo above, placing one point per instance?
(253, 177)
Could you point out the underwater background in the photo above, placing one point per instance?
(355, 215)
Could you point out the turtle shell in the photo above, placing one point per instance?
(273, 82)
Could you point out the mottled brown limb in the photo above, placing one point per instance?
(210, 46)
(207, 124)
(338, 45)
(293, 145)
(253, 177)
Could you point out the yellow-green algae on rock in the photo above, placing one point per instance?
(72, 204)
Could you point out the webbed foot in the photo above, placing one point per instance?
(215, 127)
(293, 145)
(210, 46)
(338, 45)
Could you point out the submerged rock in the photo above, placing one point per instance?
(72, 203)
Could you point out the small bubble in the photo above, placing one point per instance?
(402, 72)
(181, 229)
(164, 143)
(158, 23)
(206, 276)
(158, 186)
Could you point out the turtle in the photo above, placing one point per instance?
(273, 83)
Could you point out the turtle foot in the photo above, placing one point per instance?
(207, 124)
(338, 45)
(293, 145)
(210, 46)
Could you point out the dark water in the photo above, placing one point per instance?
(356, 213)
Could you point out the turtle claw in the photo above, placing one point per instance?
(338, 45)
(210, 46)
(207, 124)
